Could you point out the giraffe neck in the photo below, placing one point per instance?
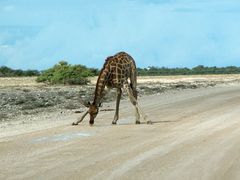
(100, 86)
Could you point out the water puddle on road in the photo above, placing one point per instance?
(61, 137)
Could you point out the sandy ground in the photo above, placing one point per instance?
(195, 135)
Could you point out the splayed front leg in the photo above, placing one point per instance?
(80, 120)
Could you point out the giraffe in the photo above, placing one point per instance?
(119, 71)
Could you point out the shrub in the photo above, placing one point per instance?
(8, 72)
(156, 71)
(64, 73)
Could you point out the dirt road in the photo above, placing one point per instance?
(195, 135)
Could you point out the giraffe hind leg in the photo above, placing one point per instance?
(116, 116)
(137, 107)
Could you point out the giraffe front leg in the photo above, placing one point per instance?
(80, 120)
(116, 116)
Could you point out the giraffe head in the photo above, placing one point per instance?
(93, 111)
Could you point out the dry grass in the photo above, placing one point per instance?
(182, 78)
(19, 81)
(30, 81)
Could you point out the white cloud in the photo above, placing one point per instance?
(169, 33)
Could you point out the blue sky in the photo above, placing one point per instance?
(36, 34)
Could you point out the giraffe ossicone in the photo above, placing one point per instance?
(119, 71)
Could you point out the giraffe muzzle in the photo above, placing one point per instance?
(91, 122)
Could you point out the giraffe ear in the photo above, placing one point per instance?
(88, 104)
(85, 103)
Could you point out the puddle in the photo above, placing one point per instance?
(61, 137)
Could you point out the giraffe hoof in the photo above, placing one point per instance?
(138, 122)
(74, 124)
(114, 123)
(149, 122)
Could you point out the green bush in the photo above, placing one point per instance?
(64, 73)
(163, 71)
(8, 72)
